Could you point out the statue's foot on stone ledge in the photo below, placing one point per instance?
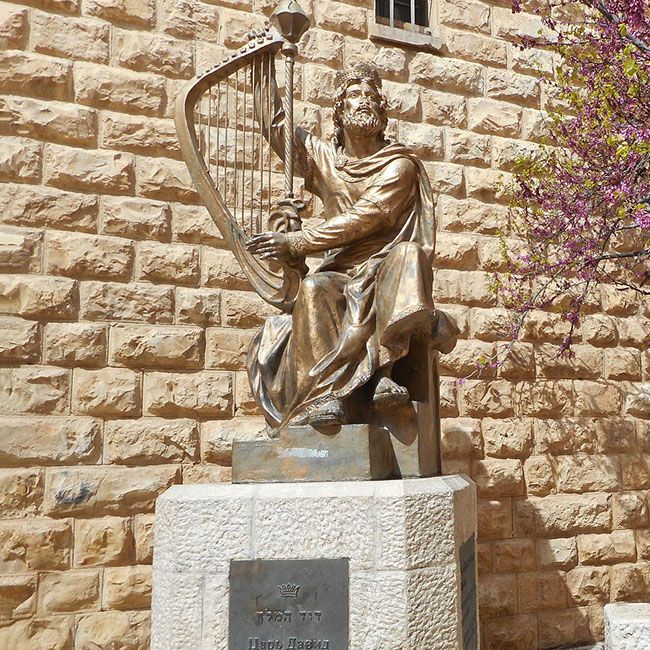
(388, 393)
(328, 414)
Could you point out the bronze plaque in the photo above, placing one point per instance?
(289, 604)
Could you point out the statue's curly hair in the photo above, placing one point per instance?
(357, 73)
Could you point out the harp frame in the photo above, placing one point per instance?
(276, 282)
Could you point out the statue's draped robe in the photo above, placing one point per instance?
(356, 313)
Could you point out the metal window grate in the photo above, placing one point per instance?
(400, 12)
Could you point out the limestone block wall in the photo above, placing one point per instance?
(124, 324)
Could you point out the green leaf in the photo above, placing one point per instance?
(630, 66)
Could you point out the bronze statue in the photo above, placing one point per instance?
(358, 341)
(354, 316)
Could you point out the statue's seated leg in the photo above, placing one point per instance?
(404, 306)
(404, 292)
(317, 317)
(317, 320)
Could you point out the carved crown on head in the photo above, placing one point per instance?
(360, 71)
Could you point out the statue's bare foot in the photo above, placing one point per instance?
(388, 393)
(328, 414)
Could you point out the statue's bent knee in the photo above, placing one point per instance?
(407, 248)
(311, 285)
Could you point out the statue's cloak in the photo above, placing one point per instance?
(357, 312)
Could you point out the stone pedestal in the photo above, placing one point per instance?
(358, 452)
(627, 626)
(410, 544)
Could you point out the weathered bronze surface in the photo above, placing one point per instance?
(333, 359)
(289, 604)
(353, 317)
(359, 339)
(352, 452)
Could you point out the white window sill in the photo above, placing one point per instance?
(405, 37)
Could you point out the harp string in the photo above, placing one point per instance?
(261, 148)
(225, 151)
(200, 107)
(218, 134)
(248, 203)
(243, 157)
(203, 120)
(270, 119)
(253, 148)
(236, 171)
(209, 128)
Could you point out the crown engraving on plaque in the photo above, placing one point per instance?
(288, 590)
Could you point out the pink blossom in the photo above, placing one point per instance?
(643, 219)
(576, 203)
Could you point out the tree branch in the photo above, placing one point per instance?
(613, 18)
(619, 256)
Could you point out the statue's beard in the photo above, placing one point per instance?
(362, 122)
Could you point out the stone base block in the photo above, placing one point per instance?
(627, 626)
(410, 544)
(355, 452)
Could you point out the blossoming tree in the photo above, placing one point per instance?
(581, 206)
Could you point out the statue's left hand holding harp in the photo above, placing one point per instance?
(225, 125)
(291, 22)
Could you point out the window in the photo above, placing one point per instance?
(405, 22)
(400, 12)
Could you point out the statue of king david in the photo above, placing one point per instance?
(331, 361)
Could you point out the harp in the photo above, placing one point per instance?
(223, 123)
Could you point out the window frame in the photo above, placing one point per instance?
(406, 34)
(393, 8)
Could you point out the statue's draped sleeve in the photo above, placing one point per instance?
(375, 212)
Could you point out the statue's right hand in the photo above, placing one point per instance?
(269, 245)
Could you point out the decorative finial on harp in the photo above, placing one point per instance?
(290, 20)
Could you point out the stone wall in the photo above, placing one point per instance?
(124, 324)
